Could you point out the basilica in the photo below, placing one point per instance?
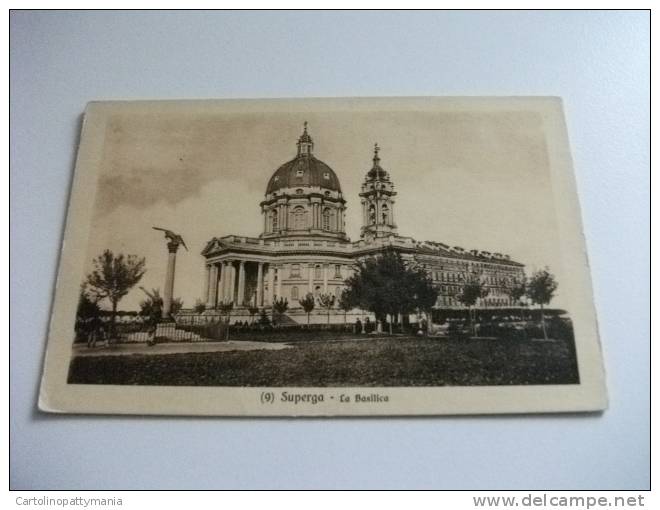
(303, 247)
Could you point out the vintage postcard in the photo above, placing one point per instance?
(324, 257)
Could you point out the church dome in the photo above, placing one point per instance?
(304, 170)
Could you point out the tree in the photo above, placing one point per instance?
(307, 303)
(540, 290)
(252, 310)
(87, 314)
(280, 306)
(152, 307)
(263, 318)
(385, 285)
(327, 301)
(345, 303)
(516, 290)
(87, 308)
(473, 288)
(113, 276)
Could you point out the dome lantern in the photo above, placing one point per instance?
(305, 143)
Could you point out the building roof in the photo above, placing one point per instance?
(304, 170)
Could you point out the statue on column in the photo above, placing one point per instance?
(173, 243)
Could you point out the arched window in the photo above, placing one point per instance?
(318, 273)
(294, 293)
(384, 214)
(317, 291)
(299, 220)
(326, 219)
(295, 270)
(372, 214)
(273, 220)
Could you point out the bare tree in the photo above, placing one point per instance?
(540, 290)
(280, 306)
(307, 303)
(472, 290)
(516, 290)
(327, 301)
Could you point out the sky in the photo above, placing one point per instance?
(476, 180)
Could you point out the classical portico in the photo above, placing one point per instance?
(237, 281)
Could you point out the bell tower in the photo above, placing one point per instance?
(377, 198)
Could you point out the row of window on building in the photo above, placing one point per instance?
(294, 271)
(458, 277)
(299, 217)
(296, 293)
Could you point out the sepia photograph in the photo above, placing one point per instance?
(357, 247)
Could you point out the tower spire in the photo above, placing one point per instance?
(305, 142)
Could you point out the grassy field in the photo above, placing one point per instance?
(394, 361)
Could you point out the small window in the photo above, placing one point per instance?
(326, 175)
(295, 271)
(277, 178)
(299, 173)
(294, 293)
(299, 192)
(327, 193)
(337, 271)
(318, 274)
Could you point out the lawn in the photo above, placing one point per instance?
(395, 361)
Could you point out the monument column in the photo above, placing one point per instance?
(260, 284)
(172, 247)
(241, 283)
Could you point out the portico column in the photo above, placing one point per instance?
(206, 293)
(223, 282)
(212, 285)
(241, 283)
(232, 283)
(325, 278)
(260, 284)
(271, 283)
